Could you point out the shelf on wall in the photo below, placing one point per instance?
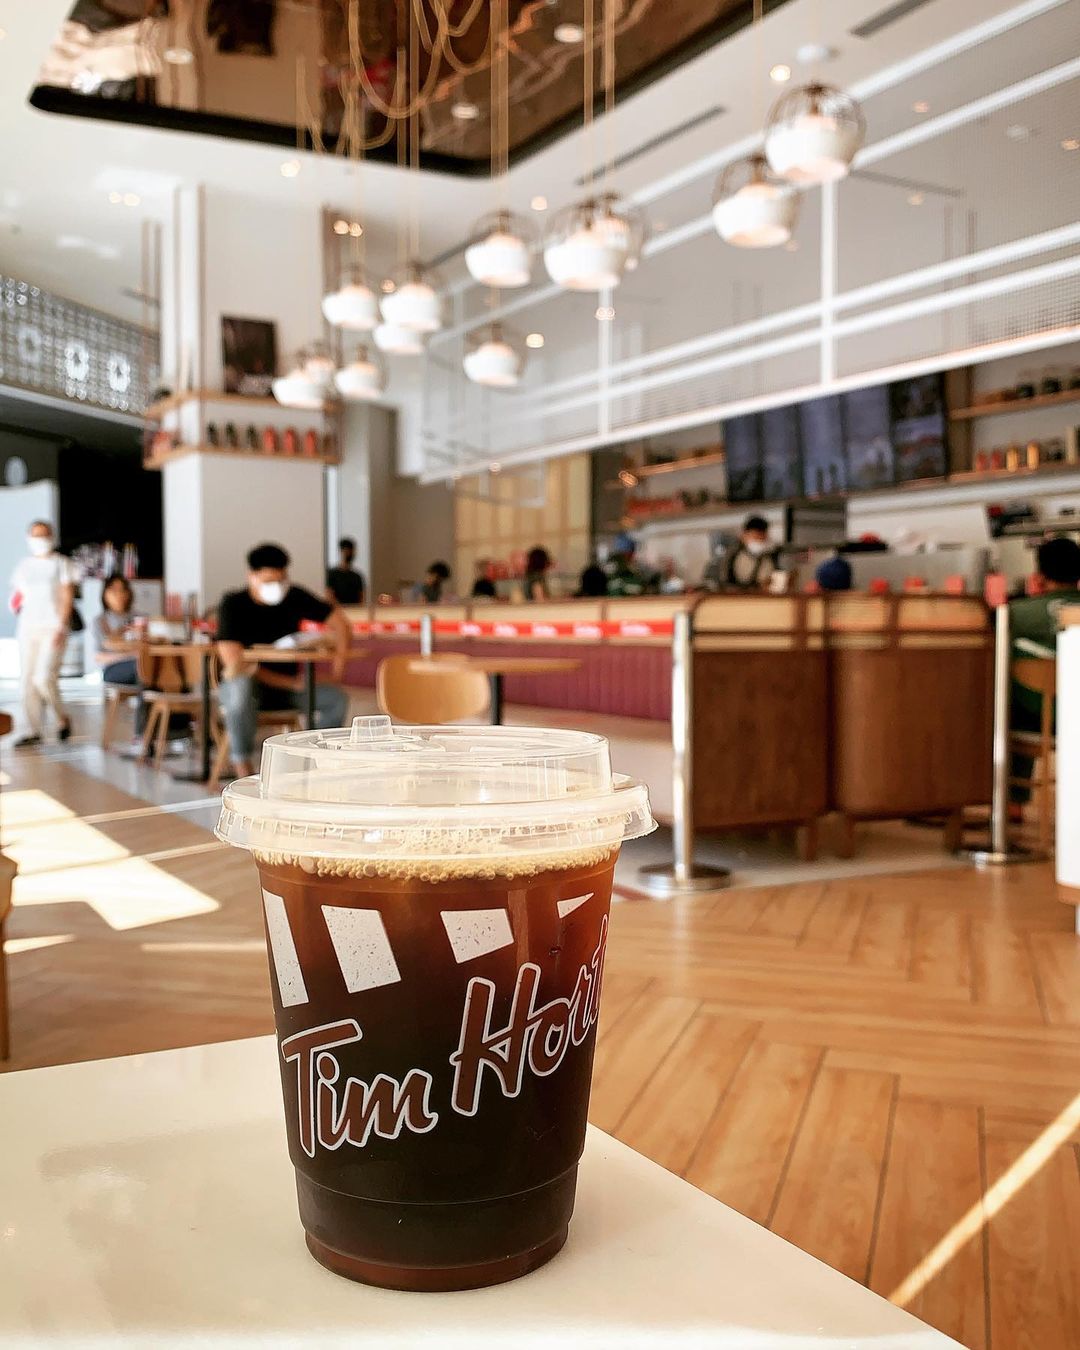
(674, 465)
(1013, 405)
(156, 461)
(157, 410)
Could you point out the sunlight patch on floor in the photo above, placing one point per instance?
(31, 806)
(129, 894)
(1037, 1154)
(31, 944)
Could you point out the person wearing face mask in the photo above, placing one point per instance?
(753, 561)
(269, 609)
(43, 591)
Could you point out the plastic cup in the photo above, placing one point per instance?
(436, 903)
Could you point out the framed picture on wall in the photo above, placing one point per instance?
(248, 355)
(918, 415)
(742, 444)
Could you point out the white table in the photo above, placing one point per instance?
(149, 1201)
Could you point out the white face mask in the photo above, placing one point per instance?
(271, 592)
(756, 547)
(39, 546)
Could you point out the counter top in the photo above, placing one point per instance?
(149, 1201)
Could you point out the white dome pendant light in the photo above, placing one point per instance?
(301, 386)
(502, 253)
(591, 245)
(751, 208)
(397, 341)
(362, 379)
(494, 357)
(813, 134)
(353, 306)
(414, 301)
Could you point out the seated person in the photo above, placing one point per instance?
(113, 643)
(834, 574)
(344, 584)
(268, 610)
(1033, 620)
(483, 587)
(430, 591)
(593, 582)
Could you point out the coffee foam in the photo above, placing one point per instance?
(434, 869)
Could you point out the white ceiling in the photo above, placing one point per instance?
(59, 230)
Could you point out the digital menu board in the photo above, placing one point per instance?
(823, 460)
(781, 465)
(918, 427)
(868, 437)
(742, 445)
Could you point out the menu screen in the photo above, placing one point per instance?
(868, 438)
(918, 421)
(742, 444)
(824, 461)
(780, 465)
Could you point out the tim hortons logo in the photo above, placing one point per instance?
(536, 1038)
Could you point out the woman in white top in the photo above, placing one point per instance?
(43, 586)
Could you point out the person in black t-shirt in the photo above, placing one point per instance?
(267, 611)
(344, 584)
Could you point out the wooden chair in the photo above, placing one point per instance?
(1039, 676)
(171, 684)
(450, 693)
(272, 721)
(115, 696)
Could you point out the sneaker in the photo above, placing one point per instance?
(26, 742)
(64, 733)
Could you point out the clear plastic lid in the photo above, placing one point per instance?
(380, 792)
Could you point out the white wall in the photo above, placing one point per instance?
(217, 507)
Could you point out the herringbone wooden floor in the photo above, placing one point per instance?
(885, 1071)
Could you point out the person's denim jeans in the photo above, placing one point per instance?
(242, 698)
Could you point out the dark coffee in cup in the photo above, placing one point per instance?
(436, 988)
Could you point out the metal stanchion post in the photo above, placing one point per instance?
(427, 635)
(999, 852)
(682, 875)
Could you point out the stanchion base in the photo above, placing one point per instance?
(659, 879)
(990, 857)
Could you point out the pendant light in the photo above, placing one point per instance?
(353, 306)
(501, 252)
(591, 245)
(303, 386)
(362, 379)
(413, 301)
(397, 341)
(501, 255)
(751, 207)
(494, 357)
(813, 133)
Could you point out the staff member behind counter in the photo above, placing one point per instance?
(748, 566)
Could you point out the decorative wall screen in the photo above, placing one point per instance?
(53, 346)
(956, 238)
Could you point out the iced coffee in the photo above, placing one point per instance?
(436, 903)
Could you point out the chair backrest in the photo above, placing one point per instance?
(450, 692)
(1037, 674)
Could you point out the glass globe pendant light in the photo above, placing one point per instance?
(414, 301)
(494, 357)
(362, 379)
(353, 306)
(751, 207)
(589, 246)
(813, 133)
(501, 255)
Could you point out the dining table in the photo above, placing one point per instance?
(496, 668)
(306, 657)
